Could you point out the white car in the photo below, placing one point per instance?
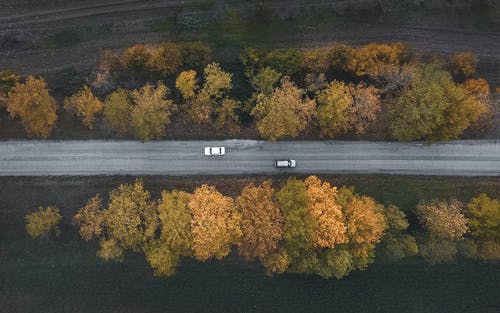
(215, 150)
(286, 163)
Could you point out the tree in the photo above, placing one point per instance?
(217, 82)
(396, 244)
(32, 104)
(85, 105)
(365, 225)
(151, 112)
(90, 219)
(162, 259)
(43, 221)
(166, 59)
(227, 116)
(117, 111)
(443, 219)
(374, 59)
(288, 62)
(216, 223)
(365, 108)
(276, 262)
(8, 81)
(285, 112)
(463, 65)
(195, 55)
(175, 222)
(252, 60)
(261, 221)
(136, 58)
(331, 229)
(110, 250)
(186, 83)
(445, 225)
(334, 109)
(433, 108)
(484, 224)
(131, 219)
(265, 80)
(300, 226)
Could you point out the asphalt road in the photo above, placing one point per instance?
(44, 158)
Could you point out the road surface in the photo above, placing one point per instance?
(44, 158)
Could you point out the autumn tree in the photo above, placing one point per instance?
(444, 224)
(216, 223)
(334, 109)
(85, 105)
(396, 243)
(374, 59)
(216, 85)
(186, 83)
(165, 59)
(261, 221)
(365, 108)
(285, 112)
(433, 108)
(365, 223)
(43, 221)
(90, 219)
(324, 209)
(131, 219)
(31, 103)
(151, 112)
(484, 223)
(136, 58)
(117, 111)
(463, 65)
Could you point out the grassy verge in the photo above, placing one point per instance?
(64, 274)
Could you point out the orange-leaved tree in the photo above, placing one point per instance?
(216, 223)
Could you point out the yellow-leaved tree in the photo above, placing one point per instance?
(85, 105)
(43, 221)
(31, 103)
(284, 112)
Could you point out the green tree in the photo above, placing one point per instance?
(32, 104)
(227, 116)
(396, 244)
(117, 111)
(299, 225)
(151, 112)
(433, 108)
(43, 221)
(85, 105)
(334, 109)
(8, 81)
(288, 62)
(195, 55)
(265, 80)
(285, 112)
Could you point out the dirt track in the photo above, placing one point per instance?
(48, 37)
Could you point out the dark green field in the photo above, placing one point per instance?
(64, 275)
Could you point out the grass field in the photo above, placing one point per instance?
(64, 275)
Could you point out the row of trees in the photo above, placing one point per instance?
(389, 93)
(306, 226)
